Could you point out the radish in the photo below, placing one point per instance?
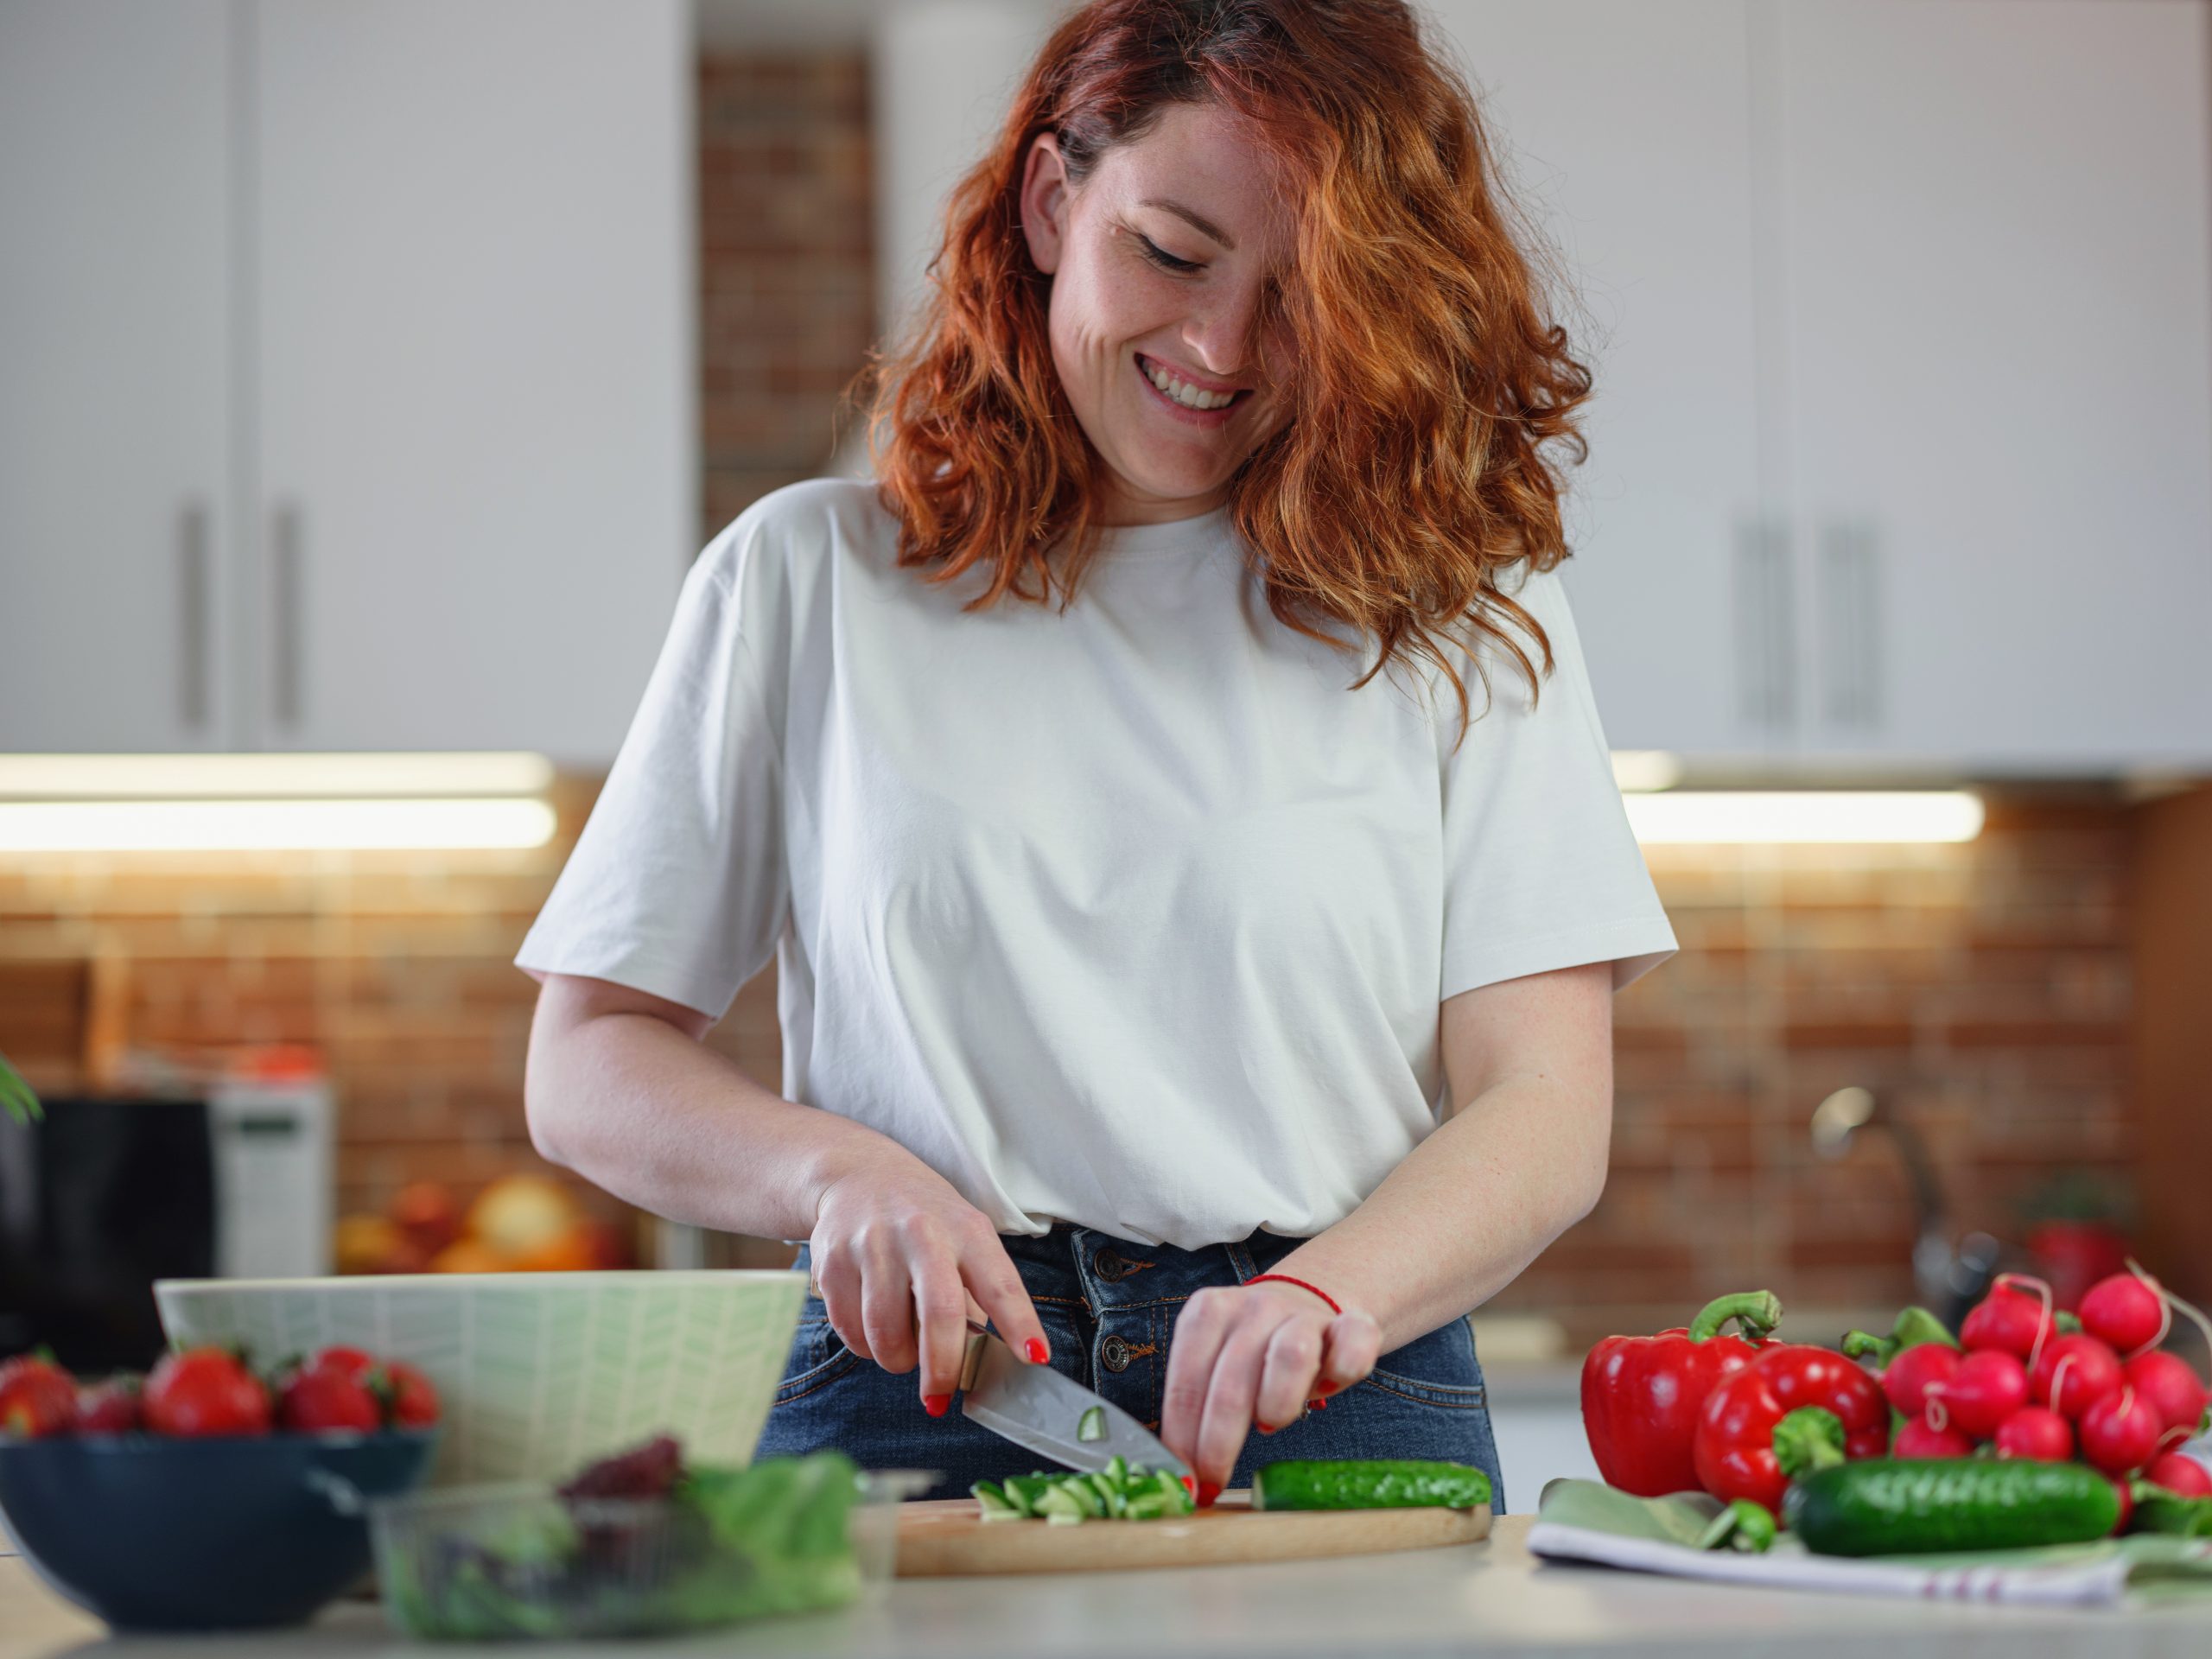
(1987, 1388)
(2170, 1386)
(2178, 1472)
(1909, 1375)
(2128, 1312)
(2076, 1371)
(2125, 1491)
(1918, 1438)
(2036, 1434)
(2119, 1433)
(2009, 1321)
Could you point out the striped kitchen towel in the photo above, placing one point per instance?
(1582, 1521)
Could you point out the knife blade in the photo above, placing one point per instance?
(1038, 1407)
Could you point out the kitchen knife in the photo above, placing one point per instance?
(1036, 1407)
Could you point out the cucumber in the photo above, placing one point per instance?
(1117, 1492)
(1091, 1425)
(1025, 1491)
(1906, 1506)
(1062, 1504)
(2159, 1510)
(995, 1502)
(1368, 1483)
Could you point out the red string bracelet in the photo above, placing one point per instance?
(1285, 1278)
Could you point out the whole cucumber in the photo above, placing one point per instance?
(1907, 1506)
(1368, 1483)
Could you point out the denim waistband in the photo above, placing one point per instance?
(1106, 1271)
(1083, 1266)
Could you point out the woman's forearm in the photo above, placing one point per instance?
(666, 1123)
(1467, 1209)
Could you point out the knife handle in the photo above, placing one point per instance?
(972, 1357)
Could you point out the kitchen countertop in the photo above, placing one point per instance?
(1486, 1599)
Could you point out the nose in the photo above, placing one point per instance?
(1222, 336)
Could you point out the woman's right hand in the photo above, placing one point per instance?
(900, 1257)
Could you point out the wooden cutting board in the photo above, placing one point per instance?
(949, 1538)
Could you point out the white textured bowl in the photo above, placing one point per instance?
(537, 1373)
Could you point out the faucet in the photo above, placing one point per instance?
(1949, 1281)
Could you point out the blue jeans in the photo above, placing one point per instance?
(1109, 1310)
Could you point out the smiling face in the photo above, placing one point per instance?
(1159, 261)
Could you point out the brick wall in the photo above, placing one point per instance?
(787, 298)
(1981, 988)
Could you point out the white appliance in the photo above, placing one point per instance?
(274, 1170)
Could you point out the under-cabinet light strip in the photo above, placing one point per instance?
(1865, 816)
(135, 826)
(282, 777)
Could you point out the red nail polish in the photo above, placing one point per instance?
(1264, 1428)
(1317, 1405)
(1035, 1349)
(1190, 1485)
(1207, 1492)
(1328, 1385)
(936, 1404)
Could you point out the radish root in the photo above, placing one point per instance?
(2173, 1302)
(2045, 1323)
(2165, 1308)
(2057, 1385)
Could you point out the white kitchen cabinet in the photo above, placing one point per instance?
(1627, 133)
(1901, 325)
(115, 389)
(1996, 360)
(391, 307)
(473, 280)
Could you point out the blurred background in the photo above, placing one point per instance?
(372, 370)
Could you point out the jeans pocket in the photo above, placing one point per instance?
(818, 1355)
(1437, 1369)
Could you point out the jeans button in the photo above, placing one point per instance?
(1110, 1266)
(1114, 1354)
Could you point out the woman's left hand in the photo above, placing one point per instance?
(1253, 1354)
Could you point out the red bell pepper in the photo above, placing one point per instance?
(1790, 1411)
(1641, 1394)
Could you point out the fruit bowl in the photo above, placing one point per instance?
(216, 1534)
(538, 1373)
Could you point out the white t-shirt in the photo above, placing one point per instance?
(1130, 915)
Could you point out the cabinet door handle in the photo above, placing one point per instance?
(192, 613)
(285, 577)
(1764, 622)
(1851, 614)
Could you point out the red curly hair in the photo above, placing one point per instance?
(1429, 375)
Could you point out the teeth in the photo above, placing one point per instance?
(1184, 393)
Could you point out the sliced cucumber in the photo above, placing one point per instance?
(1025, 1491)
(995, 1503)
(1061, 1504)
(1117, 1492)
(1092, 1425)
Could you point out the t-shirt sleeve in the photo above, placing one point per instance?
(1542, 870)
(677, 886)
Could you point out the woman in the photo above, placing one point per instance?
(1176, 964)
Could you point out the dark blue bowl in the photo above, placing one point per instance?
(202, 1535)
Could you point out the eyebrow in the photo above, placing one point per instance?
(1204, 227)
